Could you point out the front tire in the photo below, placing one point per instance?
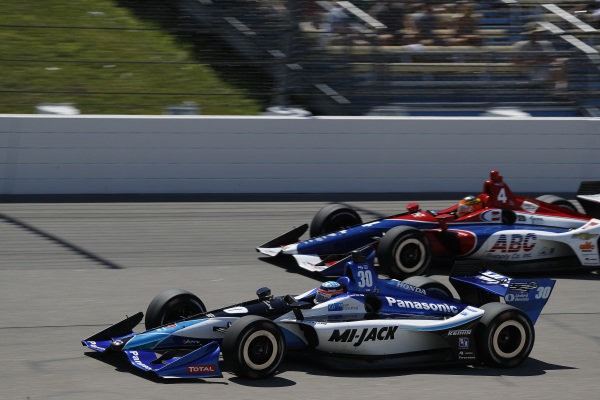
(404, 252)
(253, 347)
(505, 335)
(333, 218)
(171, 306)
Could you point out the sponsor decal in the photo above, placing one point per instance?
(491, 216)
(466, 355)
(201, 369)
(411, 288)
(170, 326)
(341, 307)
(460, 332)
(523, 286)
(529, 206)
(357, 337)
(516, 297)
(136, 360)
(584, 236)
(236, 310)
(590, 224)
(521, 218)
(463, 343)
(587, 246)
(515, 243)
(493, 278)
(95, 346)
(422, 305)
(191, 341)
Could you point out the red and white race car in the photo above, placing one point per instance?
(503, 231)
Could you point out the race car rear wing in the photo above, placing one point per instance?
(588, 196)
(530, 295)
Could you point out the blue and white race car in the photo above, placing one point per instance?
(358, 321)
(499, 229)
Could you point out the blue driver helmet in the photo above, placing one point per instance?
(328, 290)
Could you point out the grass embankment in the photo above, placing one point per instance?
(104, 60)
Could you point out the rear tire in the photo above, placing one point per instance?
(253, 347)
(171, 306)
(434, 288)
(557, 201)
(505, 335)
(404, 252)
(333, 218)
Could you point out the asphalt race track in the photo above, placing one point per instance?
(70, 270)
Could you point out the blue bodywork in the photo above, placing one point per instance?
(347, 240)
(192, 356)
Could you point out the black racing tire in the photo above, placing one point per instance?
(332, 218)
(505, 335)
(404, 251)
(557, 201)
(172, 305)
(434, 288)
(253, 347)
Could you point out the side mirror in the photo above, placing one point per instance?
(412, 207)
(357, 257)
(264, 293)
(443, 220)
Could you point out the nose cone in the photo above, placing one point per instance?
(145, 341)
(290, 249)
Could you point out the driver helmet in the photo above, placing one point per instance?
(468, 205)
(328, 290)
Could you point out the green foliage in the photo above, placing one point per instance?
(105, 60)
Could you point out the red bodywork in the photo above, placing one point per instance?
(496, 195)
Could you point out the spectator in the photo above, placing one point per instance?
(335, 23)
(465, 28)
(391, 14)
(422, 26)
(589, 12)
(537, 55)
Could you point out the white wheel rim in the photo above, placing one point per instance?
(398, 253)
(246, 354)
(519, 348)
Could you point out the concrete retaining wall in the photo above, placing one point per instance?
(42, 154)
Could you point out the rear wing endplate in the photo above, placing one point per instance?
(530, 295)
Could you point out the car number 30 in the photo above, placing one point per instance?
(543, 292)
(365, 279)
